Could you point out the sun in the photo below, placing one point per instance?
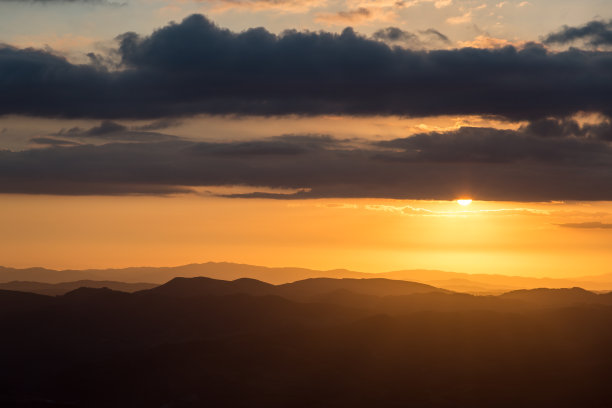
(464, 201)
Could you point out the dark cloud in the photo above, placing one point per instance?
(553, 127)
(587, 225)
(395, 34)
(287, 145)
(486, 164)
(48, 141)
(106, 128)
(112, 131)
(195, 67)
(159, 124)
(423, 39)
(437, 35)
(484, 145)
(594, 33)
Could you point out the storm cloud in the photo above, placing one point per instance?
(483, 163)
(196, 67)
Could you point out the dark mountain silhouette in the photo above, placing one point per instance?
(458, 282)
(558, 297)
(201, 286)
(54, 289)
(307, 289)
(320, 342)
(390, 296)
(16, 302)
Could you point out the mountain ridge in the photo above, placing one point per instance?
(454, 281)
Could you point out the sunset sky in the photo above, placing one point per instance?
(314, 133)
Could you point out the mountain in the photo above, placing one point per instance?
(202, 286)
(55, 289)
(495, 284)
(558, 297)
(458, 282)
(311, 288)
(15, 302)
(308, 289)
(197, 342)
(380, 295)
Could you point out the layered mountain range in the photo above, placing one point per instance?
(458, 282)
(196, 342)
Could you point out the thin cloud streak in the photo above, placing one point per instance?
(587, 225)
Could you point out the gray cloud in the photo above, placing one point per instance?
(159, 124)
(423, 39)
(196, 67)
(48, 141)
(113, 131)
(553, 127)
(485, 145)
(436, 35)
(594, 33)
(487, 164)
(395, 35)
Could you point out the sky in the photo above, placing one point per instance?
(314, 133)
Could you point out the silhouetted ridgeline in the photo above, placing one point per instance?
(54, 289)
(458, 282)
(314, 343)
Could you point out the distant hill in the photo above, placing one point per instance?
(304, 290)
(309, 288)
(198, 342)
(459, 282)
(54, 289)
(203, 286)
(382, 295)
(17, 302)
(559, 297)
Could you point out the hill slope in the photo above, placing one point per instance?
(54, 289)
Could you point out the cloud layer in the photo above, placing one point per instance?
(196, 67)
(484, 163)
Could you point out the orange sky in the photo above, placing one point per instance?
(366, 235)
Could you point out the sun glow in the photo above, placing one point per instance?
(464, 201)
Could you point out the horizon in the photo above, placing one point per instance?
(509, 238)
(230, 263)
